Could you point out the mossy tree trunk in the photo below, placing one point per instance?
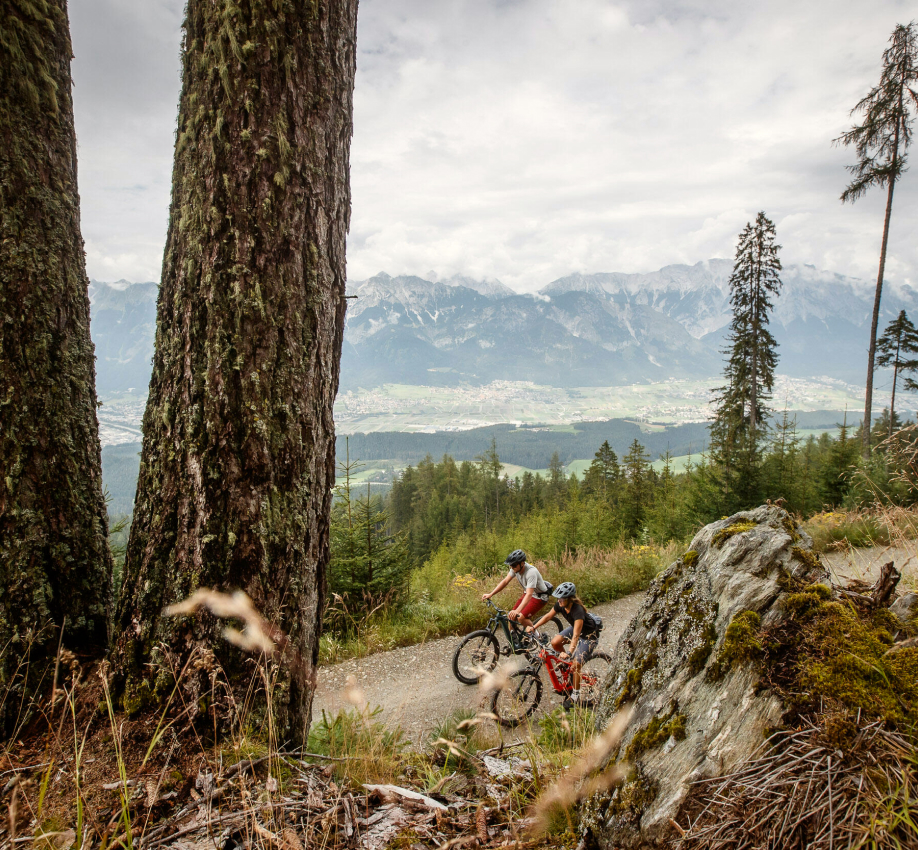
(54, 558)
(238, 463)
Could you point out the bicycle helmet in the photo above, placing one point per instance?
(517, 556)
(565, 590)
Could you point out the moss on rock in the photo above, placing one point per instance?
(656, 733)
(806, 557)
(740, 527)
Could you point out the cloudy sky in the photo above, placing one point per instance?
(528, 139)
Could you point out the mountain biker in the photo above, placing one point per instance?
(535, 588)
(583, 632)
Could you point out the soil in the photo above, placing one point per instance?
(414, 686)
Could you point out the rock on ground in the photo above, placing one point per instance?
(694, 717)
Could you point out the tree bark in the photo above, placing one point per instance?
(872, 351)
(54, 560)
(238, 464)
(892, 402)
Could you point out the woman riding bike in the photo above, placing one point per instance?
(582, 633)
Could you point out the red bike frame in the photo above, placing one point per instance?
(564, 685)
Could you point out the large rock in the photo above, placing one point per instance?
(696, 712)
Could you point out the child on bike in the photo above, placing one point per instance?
(535, 588)
(583, 632)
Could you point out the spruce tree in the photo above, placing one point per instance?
(603, 473)
(740, 421)
(898, 340)
(237, 466)
(55, 567)
(881, 142)
(637, 496)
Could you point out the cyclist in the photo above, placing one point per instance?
(535, 588)
(583, 632)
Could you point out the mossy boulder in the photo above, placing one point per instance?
(688, 664)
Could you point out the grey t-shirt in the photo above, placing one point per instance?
(528, 577)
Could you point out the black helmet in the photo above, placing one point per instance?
(565, 590)
(517, 556)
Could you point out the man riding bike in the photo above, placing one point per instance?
(583, 632)
(535, 588)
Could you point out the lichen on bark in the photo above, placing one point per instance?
(55, 567)
(238, 453)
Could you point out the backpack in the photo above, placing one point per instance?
(596, 620)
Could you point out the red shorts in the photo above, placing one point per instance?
(532, 606)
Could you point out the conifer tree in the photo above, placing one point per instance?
(603, 473)
(237, 467)
(898, 340)
(740, 420)
(881, 142)
(369, 566)
(637, 497)
(55, 567)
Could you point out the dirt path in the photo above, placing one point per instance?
(864, 564)
(414, 686)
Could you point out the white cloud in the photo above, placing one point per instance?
(527, 139)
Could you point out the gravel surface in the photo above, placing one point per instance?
(414, 685)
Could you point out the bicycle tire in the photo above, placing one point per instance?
(476, 655)
(521, 696)
(592, 674)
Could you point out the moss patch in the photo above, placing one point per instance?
(635, 676)
(699, 655)
(690, 558)
(847, 659)
(656, 733)
(725, 534)
(631, 798)
(741, 640)
(806, 557)
(829, 656)
(670, 577)
(790, 527)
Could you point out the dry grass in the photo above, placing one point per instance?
(803, 791)
(854, 543)
(83, 775)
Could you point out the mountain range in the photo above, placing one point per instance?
(581, 330)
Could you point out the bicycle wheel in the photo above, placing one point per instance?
(518, 700)
(592, 674)
(476, 655)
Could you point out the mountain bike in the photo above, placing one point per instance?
(479, 651)
(521, 696)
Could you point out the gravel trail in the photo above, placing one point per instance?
(414, 685)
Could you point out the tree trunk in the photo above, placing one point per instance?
(238, 462)
(54, 558)
(892, 403)
(871, 355)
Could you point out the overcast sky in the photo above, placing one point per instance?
(528, 139)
